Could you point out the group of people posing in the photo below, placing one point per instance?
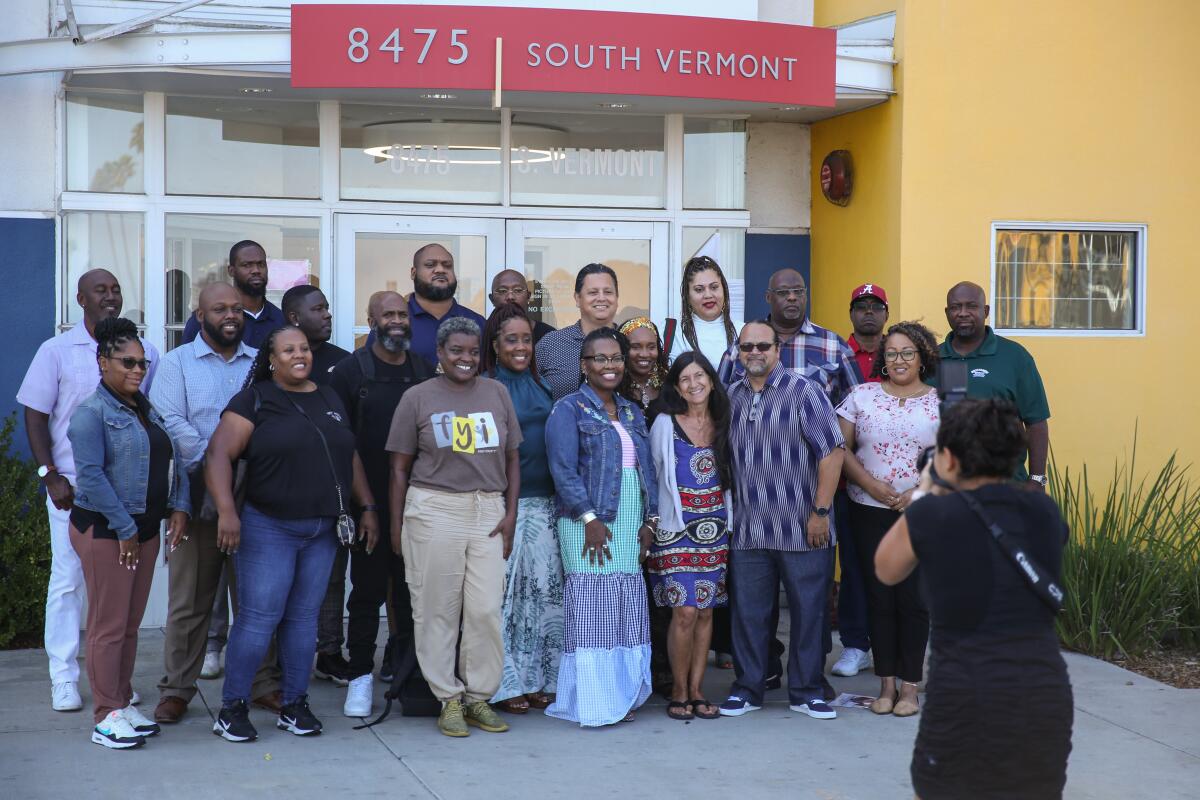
(556, 519)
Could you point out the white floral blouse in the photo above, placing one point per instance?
(889, 436)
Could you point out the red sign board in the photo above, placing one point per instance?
(555, 50)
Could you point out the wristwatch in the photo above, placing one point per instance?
(1039, 479)
(821, 511)
(46, 469)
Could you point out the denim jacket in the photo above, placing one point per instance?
(112, 461)
(585, 455)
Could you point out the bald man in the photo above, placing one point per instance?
(195, 382)
(511, 286)
(370, 383)
(999, 367)
(64, 372)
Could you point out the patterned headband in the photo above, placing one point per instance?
(638, 322)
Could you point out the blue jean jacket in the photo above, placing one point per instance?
(585, 455)
(112, 461)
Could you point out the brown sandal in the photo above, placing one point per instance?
(514, 705)
(539, 700)
(674, 706)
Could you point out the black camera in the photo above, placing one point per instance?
(952, 383)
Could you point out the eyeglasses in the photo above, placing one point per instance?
(748, 347)
(876, 307)
(604, 361)
(783, 294)
(129, 362)
(505, 292)
(903, 355)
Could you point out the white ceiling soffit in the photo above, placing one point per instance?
(866, 54)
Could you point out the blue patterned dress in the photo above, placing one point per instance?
(687, 568)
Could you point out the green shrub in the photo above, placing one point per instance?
(24, 543)
(1131, 572)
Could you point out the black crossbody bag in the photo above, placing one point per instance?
(1038, 578)
(346, 531)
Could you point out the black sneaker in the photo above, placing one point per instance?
(828, 693)
(297, 718)
(233, 723)
(332, 667)
(773, 682)
(386, 671)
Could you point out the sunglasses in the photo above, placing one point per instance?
(762, 347)
(129, 362)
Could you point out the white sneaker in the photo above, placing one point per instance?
(212, 666)
(136, 700)
(64, 696)
(851, 662)
(141, 725)
(114, 731)
(359, 696)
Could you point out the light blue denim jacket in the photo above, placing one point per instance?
(112, 461)
(585, 455)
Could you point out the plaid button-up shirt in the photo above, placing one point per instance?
(814, 352)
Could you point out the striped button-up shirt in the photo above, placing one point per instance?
(813, 352)
(557, 355)
(193, 386)
(777, 437)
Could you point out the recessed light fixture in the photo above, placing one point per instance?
(787, 108)
(256, 90)
(615, 105)
(439, 96)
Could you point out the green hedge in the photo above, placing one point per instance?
(1131, 572)
(24, 544)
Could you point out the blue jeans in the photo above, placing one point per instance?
(853, 620)
(283, 570)
(756, 577)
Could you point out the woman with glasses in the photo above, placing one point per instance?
(706, 324)
(647, 364)
(128, 480)
(607, 511)
(886, 426)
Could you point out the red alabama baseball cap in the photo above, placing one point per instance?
(869, 290)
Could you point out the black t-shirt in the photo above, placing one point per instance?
(325, 358)
(288, 474)
(988, 627)
(372, 404)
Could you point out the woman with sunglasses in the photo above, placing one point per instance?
(128, 479)
(886, 426)
(607, 511)
(706, 324)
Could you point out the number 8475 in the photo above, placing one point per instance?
(359, 49)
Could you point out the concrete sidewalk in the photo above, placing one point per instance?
(1133, 738)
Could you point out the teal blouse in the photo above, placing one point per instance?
(532, 401)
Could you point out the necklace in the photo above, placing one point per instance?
(921, 389)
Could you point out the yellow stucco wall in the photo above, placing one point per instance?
(1079, 111)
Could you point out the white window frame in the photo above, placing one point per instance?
(1049, 226)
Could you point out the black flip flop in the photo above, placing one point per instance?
(696, 702)
(676, 704)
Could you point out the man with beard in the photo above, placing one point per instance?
(432, 300)
(370, 384)
(307, 309)
(195, 383)
(786, 450)
(63, 373)
(248, 269)
(510, 286)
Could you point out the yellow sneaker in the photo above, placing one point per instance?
(451, 722)
(482, 716)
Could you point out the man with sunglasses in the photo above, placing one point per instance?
(787, 449)
(64, 373)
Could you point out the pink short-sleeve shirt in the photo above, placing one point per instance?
(889, 436)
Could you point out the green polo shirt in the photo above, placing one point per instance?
(1000, 367)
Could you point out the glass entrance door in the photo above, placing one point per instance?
(550, 253)
(375, 252)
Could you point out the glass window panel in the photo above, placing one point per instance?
(726, 246)
(104, 142)
(108, 240)
(551, 265)
(244, 147)
(198, 254)
(408, 154)
(588, 160)
(1066, 280)
(714, 163)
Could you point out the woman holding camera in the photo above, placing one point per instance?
(887, 425)
(998, 709)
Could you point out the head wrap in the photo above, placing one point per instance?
(638, 322)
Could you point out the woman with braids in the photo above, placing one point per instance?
(998, 707)
(532, 618)
(647, 364)
(302, 473)
(607, 512)
(886, 426)
(129, 478)
(705, 324)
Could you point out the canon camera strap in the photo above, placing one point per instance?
(1038, 579)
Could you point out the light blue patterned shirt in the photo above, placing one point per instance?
(192, 387)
